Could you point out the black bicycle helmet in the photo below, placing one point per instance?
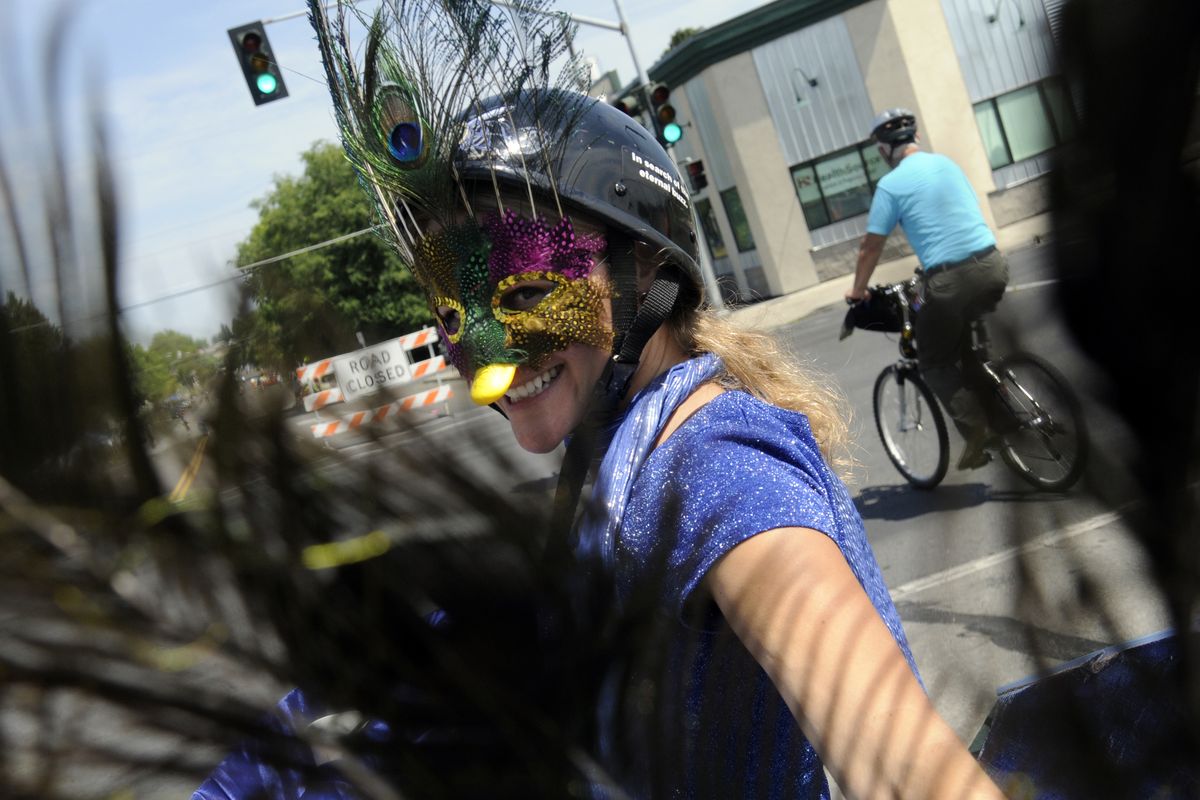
(594, 158)
(895, 126)
(592, 155)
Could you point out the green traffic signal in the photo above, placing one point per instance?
(264, 78)
(667, 130)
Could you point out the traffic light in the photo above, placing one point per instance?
(696, 176)
(665, 126)
(628, 105)
(263, 77)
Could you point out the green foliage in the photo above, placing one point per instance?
(680, 36)
(66, 386)
(309, 305)
(152, 373)
(172, 361)
(32, 366)
(182, 357)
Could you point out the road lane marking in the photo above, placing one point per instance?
(1047, 539)
(1020, 287)
(189, 475)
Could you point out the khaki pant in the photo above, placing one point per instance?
(953, 297)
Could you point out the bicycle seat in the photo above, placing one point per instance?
(984, 304)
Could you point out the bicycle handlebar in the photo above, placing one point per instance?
(893, 311)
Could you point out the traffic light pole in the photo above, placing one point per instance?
(706, 268)
(711, 287)
(643, 79)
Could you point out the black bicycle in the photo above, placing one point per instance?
(1036, 420)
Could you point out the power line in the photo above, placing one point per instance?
(311, 247)
(246, 268)
(193, 289)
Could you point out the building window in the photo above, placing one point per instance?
(1025, 122)
(737, 220)
(712, 231)
(838, 186)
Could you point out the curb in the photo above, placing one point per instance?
(776, 312)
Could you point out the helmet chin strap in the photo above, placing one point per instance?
(644, 319)
(894, 149)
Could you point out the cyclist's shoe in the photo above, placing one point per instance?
(975, 454)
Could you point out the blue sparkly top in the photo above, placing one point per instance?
(736, 468)
(697, 717)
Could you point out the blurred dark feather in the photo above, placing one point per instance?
(142, 639)
(1126, 195)
(426, 63)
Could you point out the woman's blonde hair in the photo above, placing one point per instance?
(756, 362)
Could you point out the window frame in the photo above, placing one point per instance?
(1047, 111)
(733, 224)
(861, 149)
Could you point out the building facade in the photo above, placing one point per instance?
(777, 106)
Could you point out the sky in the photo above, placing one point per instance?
(192, 152)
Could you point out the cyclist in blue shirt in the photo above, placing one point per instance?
(963, 274)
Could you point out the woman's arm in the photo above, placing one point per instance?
(794, 603)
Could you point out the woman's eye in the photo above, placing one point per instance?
(451, 319)
(525, 296)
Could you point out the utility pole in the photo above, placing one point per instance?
(707, 272)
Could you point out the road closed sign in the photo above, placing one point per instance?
(371, 369)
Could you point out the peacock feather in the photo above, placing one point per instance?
(425, 64)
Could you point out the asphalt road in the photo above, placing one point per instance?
(988, 573)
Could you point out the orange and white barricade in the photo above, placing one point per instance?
(315, 370)
(410, 341)
(413, 402)
(312, 402)
(421, 369)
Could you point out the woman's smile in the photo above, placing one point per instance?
(533, 387)
(543, 407)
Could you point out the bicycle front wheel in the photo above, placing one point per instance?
(911, 426)
(1046, 444)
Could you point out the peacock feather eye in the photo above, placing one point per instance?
(405, 142)
(402, 127)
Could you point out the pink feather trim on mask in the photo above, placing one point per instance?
(524, 245)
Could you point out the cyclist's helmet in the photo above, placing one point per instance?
(895, 126)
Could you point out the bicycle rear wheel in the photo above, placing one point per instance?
(1046, 441)
(911, 426)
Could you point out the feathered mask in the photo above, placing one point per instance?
(457, 108)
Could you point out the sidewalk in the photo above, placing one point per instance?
(780, 311)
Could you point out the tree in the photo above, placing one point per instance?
(680, 36)
(241, 340)
(152, 374)
(183, 357)
(311, 304)
(35, 384)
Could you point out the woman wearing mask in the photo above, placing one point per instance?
(555, 241)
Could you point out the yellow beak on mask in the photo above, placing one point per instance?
(492, 382)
